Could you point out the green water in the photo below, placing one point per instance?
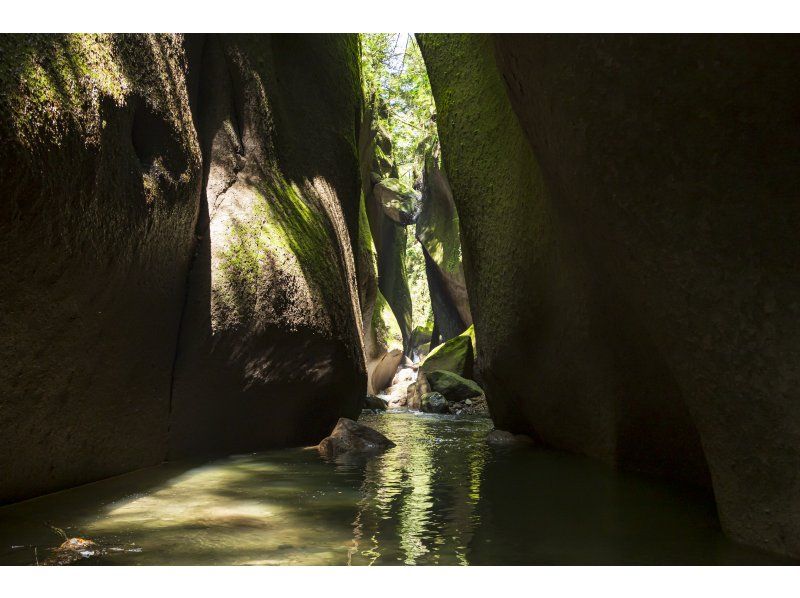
(442, 496)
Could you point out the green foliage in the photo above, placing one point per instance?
(393, 71)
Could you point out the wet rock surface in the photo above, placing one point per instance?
(351, 437)
(503, 438)
(453, 386)
(374, 403)
(433, 402)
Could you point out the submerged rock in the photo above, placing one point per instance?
(349, 436)
(434, 402)
(72, 550)
(503, 438)
(453, 386)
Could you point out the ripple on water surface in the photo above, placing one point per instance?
(441, 496)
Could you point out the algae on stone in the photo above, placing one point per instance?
(455, 355)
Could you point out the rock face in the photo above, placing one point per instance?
(270, 350)
(378, 179)
(101, 179)
(351, 437)
(383, 345)
(629, 219)
(437, 231)
(126, 159)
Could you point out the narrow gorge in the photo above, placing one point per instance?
(533, 298)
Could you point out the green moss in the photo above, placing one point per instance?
(497, 185)
(438, 226)
(455, 355)
(387, 330)
(49, 83)
(366, 245)
(282, 221)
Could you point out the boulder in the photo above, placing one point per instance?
(383, 346)
(433, 402)
(454, 355)
(419, 336)
(351, 437)
(453, 386)
(413, 398)
(400, 202)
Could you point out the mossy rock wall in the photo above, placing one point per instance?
(271, 351)
(437, 230)
(179, 222)
(101, 175)
(630, 223)
(389, 237)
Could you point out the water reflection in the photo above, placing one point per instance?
(441, 496)
(419, 499)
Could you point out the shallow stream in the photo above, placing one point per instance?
(442, 496)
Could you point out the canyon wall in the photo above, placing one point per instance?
(128, 160)
(270, 351)
(629, 219)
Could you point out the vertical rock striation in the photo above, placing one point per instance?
(270, 350)
(389, 236)
(101, 178)
(129, 161)
(629, 216)
(437, 230)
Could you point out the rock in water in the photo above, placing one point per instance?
(373, 402)
(349, 436)
(503, 438)
(434, 402)
(453, 386)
